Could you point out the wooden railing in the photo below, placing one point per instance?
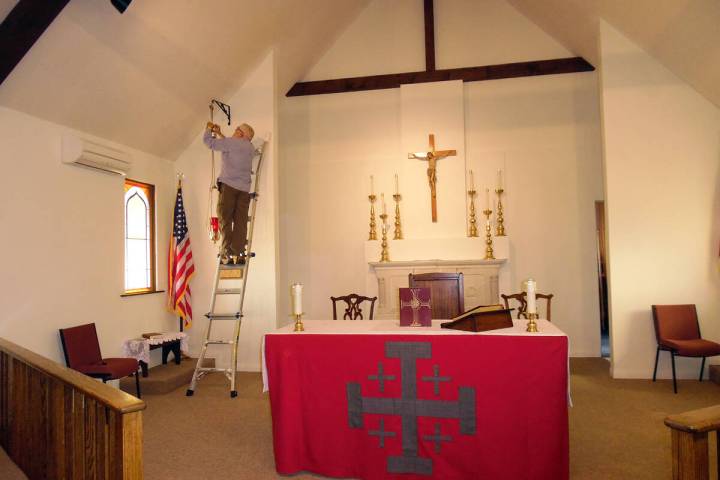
(56, 423)
(690, 442)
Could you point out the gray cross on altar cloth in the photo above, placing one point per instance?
(380, 377)
(409, 407)
(381, 433)
(437, 438)
(436, 379)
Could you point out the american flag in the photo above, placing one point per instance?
(180, 265)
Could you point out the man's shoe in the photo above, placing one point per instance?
(225, 259)
(238, 259)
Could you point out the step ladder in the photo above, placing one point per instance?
(223, 275)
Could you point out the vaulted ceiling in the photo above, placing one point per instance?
(144, 78)
(683, 35)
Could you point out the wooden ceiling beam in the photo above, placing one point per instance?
(467, 74)
(25, 23)
(429, 36)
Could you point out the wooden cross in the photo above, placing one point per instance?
(432, 157)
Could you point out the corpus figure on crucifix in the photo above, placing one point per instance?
(432, 157)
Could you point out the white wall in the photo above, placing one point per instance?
(544, 131)
(61, 248)
(661, 168)
(253, 103)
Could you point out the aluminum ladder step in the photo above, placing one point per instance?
(229, 291)
(224, 316)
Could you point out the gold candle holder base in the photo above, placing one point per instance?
(473, 232)
(500, 228)
(488, 236)
(532, 324)
(398, 226)
(373, 234)
(299, 327)
(384, 255)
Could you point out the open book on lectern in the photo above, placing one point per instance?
(481, 319)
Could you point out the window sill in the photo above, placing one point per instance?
(135, 294)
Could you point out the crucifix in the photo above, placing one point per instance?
(432, 156)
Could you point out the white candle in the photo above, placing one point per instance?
(531, 286)
(372, 185)
(487, 199)
(499, 179)
(472, 181)
(296, 295)
(397, 185)
(382, 198)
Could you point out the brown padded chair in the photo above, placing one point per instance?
(353, 310)
(677, 330)
(82, 353)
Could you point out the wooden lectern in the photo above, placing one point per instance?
(481, 319)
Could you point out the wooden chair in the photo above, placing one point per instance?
(82, 353)
(518, 297)
(677, 330)
(353, 310)
(521, 298)
(446, 292)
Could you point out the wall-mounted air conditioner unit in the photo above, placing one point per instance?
(87, 153)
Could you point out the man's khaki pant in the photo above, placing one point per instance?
(232, 212)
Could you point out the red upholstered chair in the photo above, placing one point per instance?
(677, 330)
(82, 353)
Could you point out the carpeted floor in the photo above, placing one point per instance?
(616, 427)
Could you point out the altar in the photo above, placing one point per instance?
(372, 400)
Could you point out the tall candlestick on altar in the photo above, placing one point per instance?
(397, 185)
(499, 179)
(472, 181)
(382, 199)
(531, 288)
(296, 295)
(531, 309)
(487, 199)
(372, 185)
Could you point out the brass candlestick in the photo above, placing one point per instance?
(373, 234)
(473, 220)
(398, 227)
(384, 257)
(532, 324)
(299, 327)
(500, 228)
(488, 236)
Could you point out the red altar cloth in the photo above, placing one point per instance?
(341, 407)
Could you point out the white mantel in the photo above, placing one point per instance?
(461, 255)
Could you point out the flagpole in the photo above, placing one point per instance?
(179, 186)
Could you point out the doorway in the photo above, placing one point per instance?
(602, 278)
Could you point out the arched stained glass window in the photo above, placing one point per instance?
(139, 237)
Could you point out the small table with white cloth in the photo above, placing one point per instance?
(139, 348)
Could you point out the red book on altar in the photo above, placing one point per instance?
(415, 307)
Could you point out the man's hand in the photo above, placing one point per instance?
(210, 125)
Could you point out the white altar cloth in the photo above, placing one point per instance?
(390, 327)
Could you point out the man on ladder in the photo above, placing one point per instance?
(234, 185)
(238, 185)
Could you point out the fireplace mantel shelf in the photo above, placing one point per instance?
(436, 262)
